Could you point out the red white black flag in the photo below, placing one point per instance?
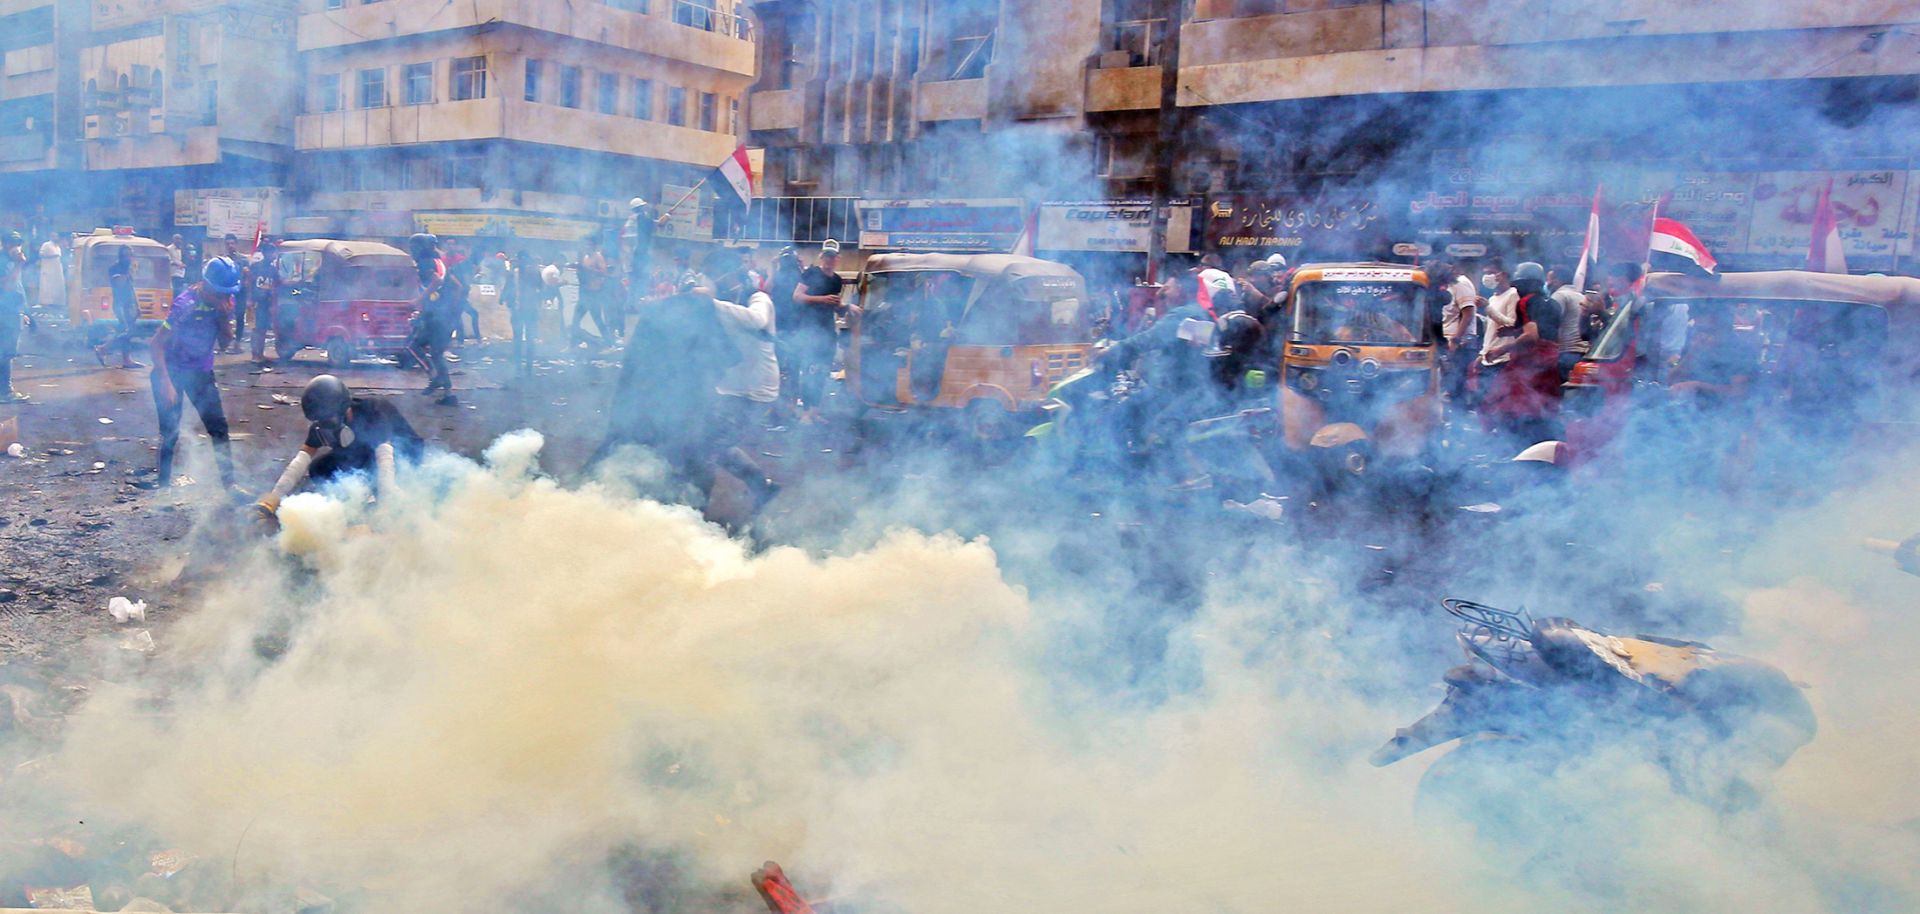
(736, 173)
(1673, 248)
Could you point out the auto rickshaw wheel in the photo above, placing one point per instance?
(339, 354)
(988, 421)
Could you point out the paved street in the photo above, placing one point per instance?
(79, 531)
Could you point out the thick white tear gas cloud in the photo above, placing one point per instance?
(501, 681)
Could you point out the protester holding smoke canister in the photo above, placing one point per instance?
(348, 434)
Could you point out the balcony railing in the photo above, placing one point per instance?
(801, 220)
(702, 15)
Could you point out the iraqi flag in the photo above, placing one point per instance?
(737, 173)
(1673, 248)
(1825, 255)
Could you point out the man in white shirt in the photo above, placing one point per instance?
(1500, 310)
(177, 264)
(749, 387)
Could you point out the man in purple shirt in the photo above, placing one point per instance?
(199, 322)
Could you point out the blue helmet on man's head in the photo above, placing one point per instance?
(221, 275)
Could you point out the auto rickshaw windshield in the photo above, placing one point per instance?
(1040, 311)
(1375, 312)
(149, 265)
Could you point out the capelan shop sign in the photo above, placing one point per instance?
(1111, 225)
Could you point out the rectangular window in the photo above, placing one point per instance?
(327, 96)
(707, 111)
(677, 106)
(533, 80)
(336, 4)
(606, 93)
(733, 116)
(643, 99)
(418, 82)
(569, 87)
(373, 88)
(469, 78)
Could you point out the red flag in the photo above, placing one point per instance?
(1674, 248)
(1825, 254)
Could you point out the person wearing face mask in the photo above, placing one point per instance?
(356, 434)
(1497, 309)
(1521, 401)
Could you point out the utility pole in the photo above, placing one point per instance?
(1168, 52)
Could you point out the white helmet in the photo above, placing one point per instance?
(636, 203)
(1277, 259)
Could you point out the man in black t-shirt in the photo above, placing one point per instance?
(263, 290)
(358, 435)
(816, 302)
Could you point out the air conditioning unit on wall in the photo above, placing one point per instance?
(93, 127)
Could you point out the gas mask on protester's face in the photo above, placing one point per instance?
(1490, 282)
(335, 434)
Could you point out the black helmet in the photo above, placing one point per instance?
(422, 245)
(1235, 333)
(325, 399)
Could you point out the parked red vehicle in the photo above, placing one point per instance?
(350, 298)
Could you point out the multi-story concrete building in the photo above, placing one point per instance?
(494, 118)
(511, 118)
(1333, 127)
(115, 106)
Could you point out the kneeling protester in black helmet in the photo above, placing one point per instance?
(349, 434)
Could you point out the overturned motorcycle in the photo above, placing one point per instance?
(1536, 695)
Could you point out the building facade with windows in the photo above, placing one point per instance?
(510, 119)
(129, 112)
(1345, 127)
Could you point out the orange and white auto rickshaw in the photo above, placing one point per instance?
(984, 336)
(90, 297)
(1361, 377)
